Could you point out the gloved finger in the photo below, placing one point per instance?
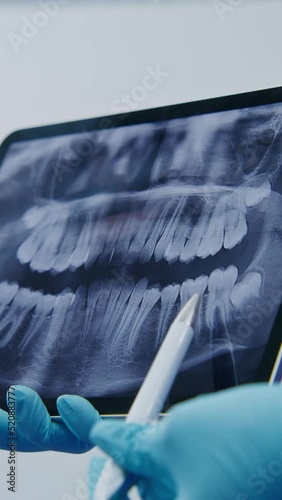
(32, 418)
(79, 415)
(34, 423)
(3, 429)
(130, 445)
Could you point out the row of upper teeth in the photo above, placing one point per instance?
(173, 227)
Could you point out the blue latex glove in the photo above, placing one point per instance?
(35, 431)
(226, 446)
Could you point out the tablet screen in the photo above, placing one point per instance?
(106, 234)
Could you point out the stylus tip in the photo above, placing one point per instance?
(190, 311)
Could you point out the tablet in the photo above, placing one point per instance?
(109, 225)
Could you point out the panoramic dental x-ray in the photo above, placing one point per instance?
(104, 236)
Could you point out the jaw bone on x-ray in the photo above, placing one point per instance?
(105, 235)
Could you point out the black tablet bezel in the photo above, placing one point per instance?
(120, 405)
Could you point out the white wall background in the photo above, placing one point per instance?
(87, 56)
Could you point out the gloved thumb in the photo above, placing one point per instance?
(130, 445)
(78, 414)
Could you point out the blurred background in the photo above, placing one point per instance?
(64, 60)
(68, 59)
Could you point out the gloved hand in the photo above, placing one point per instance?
(225, 446)
(35, 431)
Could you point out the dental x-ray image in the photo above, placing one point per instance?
(106, 234)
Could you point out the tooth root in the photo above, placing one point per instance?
(123, 330)
(168, 302)
(60, 312)
(115, 229)
(144, 233)
(81, 251)
(175, 247)
(183, 231)
(119, 308)
(248, 288)
(127, 239)
(113, 300)
(128, 231)
(97, 242)
(40, 321)
(191, 246)
(23, 303)
(98, 234)
(149, 300)
(75, 319)
(92, 298)
(104, 296)
(158, 229)
(235, 220)
(125, 294)
(136, 247)
(220, 284)
(169, 231)
(236, 230)
(102, 253)
(212, 240)
(67, 246)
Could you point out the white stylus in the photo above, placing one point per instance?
(154, 390)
